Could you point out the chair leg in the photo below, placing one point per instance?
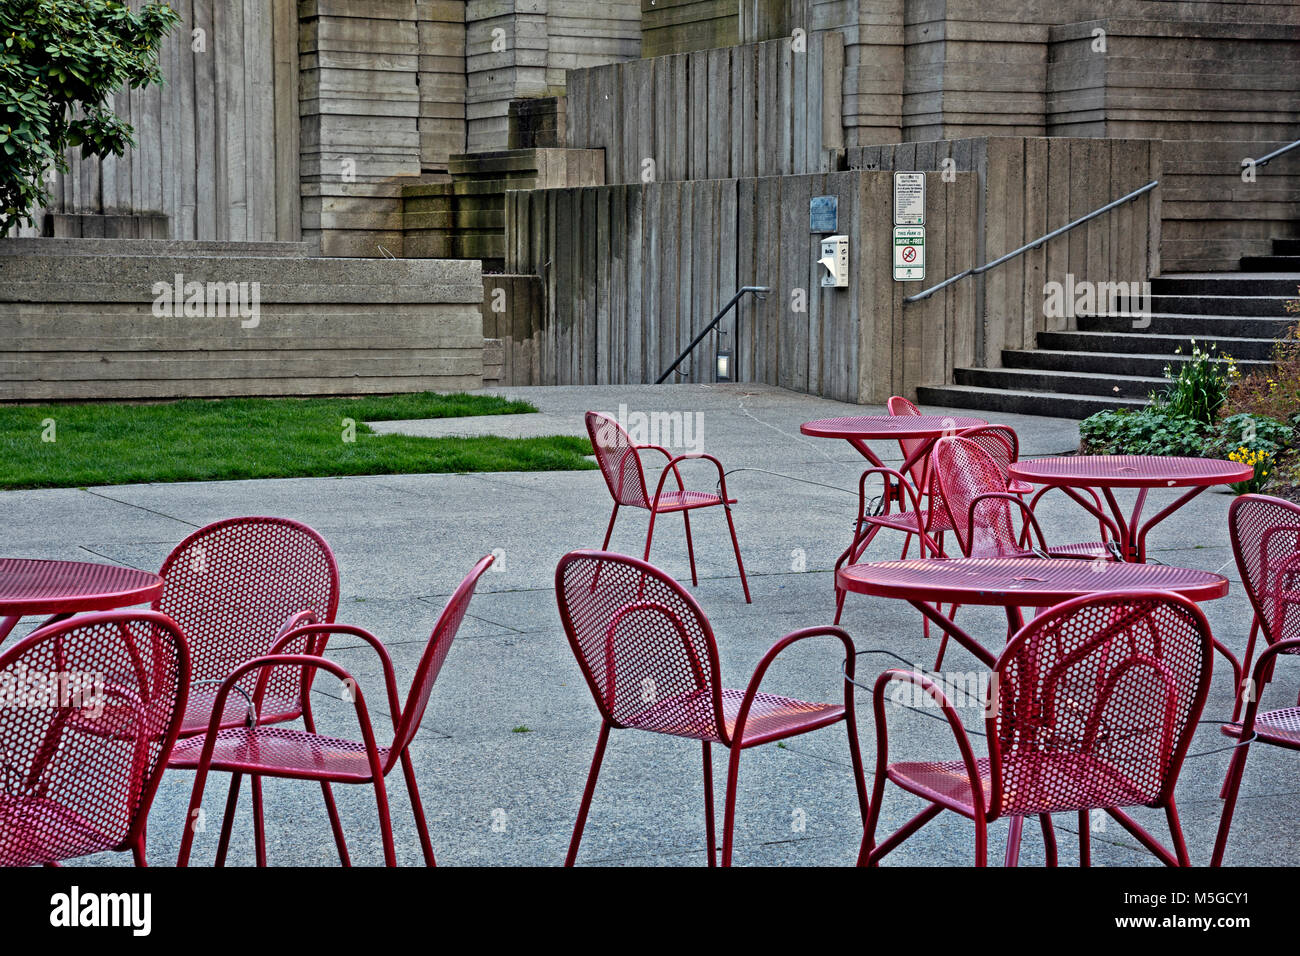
(982, 842)
(1049, 838)
(1238, 696)
(708, 804)
(1085, 838)
(1231, 786)
(876, 853)
(259, 822)
(192, 815)
(335, 823)
(137, 852)
(1176, 832)
(228, 819)
(385, 822)
(609, 532)
(587, 794)
(649, 536)
(1014, 832)
(690, 548)
(729, 808)
(421, 823)
(839, 604)
(735, 544)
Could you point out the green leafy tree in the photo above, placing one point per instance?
(60, 61)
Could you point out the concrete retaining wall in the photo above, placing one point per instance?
(86, 323)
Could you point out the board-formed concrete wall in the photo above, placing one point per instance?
(217, 154)
(632, 272)
(762, 109)
(85, 321)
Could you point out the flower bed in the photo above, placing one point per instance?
(1210, 409)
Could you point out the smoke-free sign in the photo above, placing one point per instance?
(909, 253)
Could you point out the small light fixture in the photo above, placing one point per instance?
(724, 366)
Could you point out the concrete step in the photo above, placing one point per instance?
(1273, 263)
(1265, 306)
(1208, 327)
(1141, 343)
(1286, 247)
(1224, 284)
(1103, 363)
(1061, 381)
(1054, 404)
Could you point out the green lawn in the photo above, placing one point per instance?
(113, 444)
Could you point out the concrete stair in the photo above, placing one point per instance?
(1117, 360)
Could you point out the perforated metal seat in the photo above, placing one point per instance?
(1265, 533)
(770, 717)
(80, 760)
(287, 752)
(1097, 702)
(620, 464)
(198, 713)
(278, 751)
(650, 660)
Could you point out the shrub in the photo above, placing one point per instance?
(1200, 388)
(1146, 431)
(1274, 393)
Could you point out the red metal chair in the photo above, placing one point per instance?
(235, 587)
(1265, 533)
(1096, 703)
(920, 471)
(620, 463)
(80, 758)
(651, 662)
(306, 755)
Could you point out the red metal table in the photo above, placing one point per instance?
(1014, 583)
(1143, 472)
(63, 588)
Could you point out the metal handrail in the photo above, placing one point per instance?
(759, 290)
(979, 270)
(1265, 160)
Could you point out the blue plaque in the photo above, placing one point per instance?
(823, 214)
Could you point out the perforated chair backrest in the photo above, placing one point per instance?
(619, 461)
(963, 472)
(897, 405)
(89, 711)
(231, 586)
(999, 441)
(435, 654)
(1265, 534)
(1098, 699)
(643, 644)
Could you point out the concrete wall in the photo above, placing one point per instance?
(1029, 186)
(522, 48)
(762, 109)
(613, 318)
(77, 321)
(217, 153)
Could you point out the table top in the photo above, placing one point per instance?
(1022, 582)
(868, 427)
(1131, 471)
(68, 587)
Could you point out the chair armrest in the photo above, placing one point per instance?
(1252, 689)
(751, 689)
(311, 630)
(935, 693)
(672, 466)
(271, 661)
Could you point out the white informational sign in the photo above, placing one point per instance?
(909, 253)
(909, 199)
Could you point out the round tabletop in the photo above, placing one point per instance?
(1022, 582)
(1131, 471)
(870, 427)
(70, 587)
